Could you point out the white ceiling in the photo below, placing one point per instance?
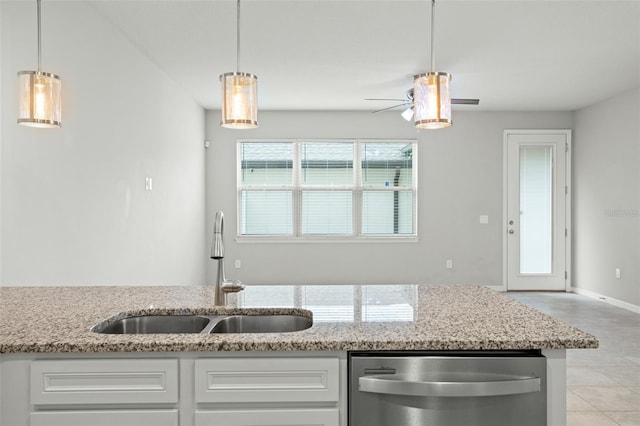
(330, 55)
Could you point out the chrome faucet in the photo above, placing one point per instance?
(223, 286)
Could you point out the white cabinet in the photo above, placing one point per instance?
(66, 392)
(274, 417)
(105, 418)
(297, 391)
(176, 389)
(266, 380)
(105, 381)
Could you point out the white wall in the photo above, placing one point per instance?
(73, 209)
(460, 178)
(607, 198)
(1, 97)
(74, 206)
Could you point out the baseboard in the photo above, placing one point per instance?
(615, 302)
(499, 288)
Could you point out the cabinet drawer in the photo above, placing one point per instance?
(282, 417)
(267, 380)
(106, 418)
(124, 381)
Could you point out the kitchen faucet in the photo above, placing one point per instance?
(223, 286)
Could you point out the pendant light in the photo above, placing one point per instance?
(431, 96)
(239, 93)
(39, 94)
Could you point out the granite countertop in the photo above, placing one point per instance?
(367, 317)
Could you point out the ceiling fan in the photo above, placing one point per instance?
(407, 114)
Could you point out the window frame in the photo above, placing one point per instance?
(356, 189)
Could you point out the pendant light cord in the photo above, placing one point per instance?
(39, 37)
(433, 20)
(237, 36)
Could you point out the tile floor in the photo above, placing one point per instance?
(603, 385)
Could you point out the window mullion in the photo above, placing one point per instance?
(240, 212)
(296, 190)
(414, 185)
(357, 190)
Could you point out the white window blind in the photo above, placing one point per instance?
(336, 189)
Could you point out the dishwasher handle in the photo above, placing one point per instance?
(397, 385)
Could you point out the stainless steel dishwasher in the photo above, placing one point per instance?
(460, 388)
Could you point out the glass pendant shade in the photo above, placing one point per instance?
(40, 99)
(239, 100)
(432, 100)
(39, 94)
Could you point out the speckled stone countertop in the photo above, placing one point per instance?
(367, 317)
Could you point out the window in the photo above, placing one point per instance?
(340, 189)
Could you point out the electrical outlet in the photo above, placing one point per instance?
(238, 264)
(618, 274)
(449, 264)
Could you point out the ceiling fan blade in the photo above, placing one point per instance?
(391, 107)
(385, 99)
(465, 101)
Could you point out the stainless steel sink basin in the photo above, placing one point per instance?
(255, 323)
(262, 324)
(155, 324)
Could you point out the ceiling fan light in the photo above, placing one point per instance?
(407, 114)
(432, 100)
(39, 99)
(239, 100)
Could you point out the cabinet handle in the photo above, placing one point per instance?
(399, 385)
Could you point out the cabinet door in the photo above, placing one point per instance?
(106, 418)
(279, 417)
(244, 380)
(104, 381)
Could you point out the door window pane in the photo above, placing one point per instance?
(536, 207)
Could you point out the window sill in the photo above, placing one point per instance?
(324, 240)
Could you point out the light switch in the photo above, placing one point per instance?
(484, 219)
(148, 184)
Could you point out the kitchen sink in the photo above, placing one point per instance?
(262, 324)
(204, 324)
(155, 324)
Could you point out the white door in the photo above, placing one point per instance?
(537, 209)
